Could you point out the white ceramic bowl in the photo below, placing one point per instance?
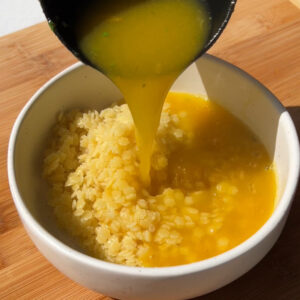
(82, 87)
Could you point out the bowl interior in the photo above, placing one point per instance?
(83, 87)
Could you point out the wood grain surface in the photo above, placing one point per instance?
(263, 38)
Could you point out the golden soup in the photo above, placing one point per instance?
(213, 184)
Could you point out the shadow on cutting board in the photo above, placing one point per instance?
(295, 114)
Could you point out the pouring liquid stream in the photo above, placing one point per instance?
(142, 46)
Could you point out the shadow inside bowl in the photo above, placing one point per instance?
(263, 122)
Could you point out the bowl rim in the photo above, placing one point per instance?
(159, 272)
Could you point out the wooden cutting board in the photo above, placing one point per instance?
(263, 38)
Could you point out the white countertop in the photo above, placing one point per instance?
(19, 14)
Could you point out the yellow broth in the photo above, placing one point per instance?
(143, 45)
(228, 177)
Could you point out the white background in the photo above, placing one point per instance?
(18, 14)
